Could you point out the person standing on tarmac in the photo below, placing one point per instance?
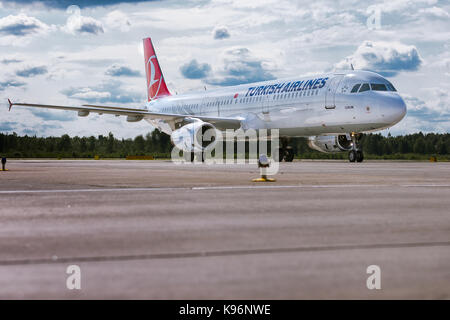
(3, 163)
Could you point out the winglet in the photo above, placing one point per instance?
(10, 105)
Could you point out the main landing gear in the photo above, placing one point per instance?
(356, 154)
(285, 152)
(194, 156)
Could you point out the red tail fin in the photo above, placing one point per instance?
(156, 86)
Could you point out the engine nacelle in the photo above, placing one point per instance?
(134, 118)
(83, 113)
(338, 143)
(195, 136)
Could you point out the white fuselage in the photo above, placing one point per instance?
(303, 106)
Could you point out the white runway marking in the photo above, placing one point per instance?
(304, 186)
(425, 185)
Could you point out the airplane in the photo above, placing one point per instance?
(331, 109)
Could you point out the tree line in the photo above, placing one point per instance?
(158, 145)
(415, 146)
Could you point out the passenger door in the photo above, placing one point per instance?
(331, 92)
(266, 107)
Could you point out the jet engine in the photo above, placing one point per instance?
(342, 142)
(134, 118)
(83, 113)
(195, 136)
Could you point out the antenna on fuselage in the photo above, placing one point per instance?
(205, 88)
(351, 65)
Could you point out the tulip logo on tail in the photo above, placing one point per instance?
(156, 86)
(153, 79)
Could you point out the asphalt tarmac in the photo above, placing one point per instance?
(157, 230)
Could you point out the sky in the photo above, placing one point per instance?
(77, 52)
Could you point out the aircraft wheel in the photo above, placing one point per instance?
(189, 156)
(359, 156)
(352, 156)
(289, 156)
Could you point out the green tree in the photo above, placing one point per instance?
(110, 143)
(65, 143)
(419, 146)
(139, 144)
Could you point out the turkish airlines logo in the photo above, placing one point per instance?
(153, 78)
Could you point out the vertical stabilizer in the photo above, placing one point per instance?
(156, 86)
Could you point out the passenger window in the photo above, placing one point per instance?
(355, 88)
(364, 87)
(378, 87)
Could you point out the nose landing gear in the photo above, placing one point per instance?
(356, 154)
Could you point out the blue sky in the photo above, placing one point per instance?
(56, 53)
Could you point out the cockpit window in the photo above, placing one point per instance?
(355, 88)
(378, 87)
(364, 87)
(391, 87)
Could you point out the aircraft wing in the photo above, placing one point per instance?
(84, 110)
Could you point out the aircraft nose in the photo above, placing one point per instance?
(394, 109)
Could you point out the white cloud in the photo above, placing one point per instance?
(121, 71)
(221, 32)
(21, 25)
(284, 38)
(31, 71)
(195, 70)
(111, 91)
(240, 66)
(117, 20)
(76, 23)
(387, 58)
(438, 99)
(90, 95)
(402, 5)
(435, 12)
(17, 30)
